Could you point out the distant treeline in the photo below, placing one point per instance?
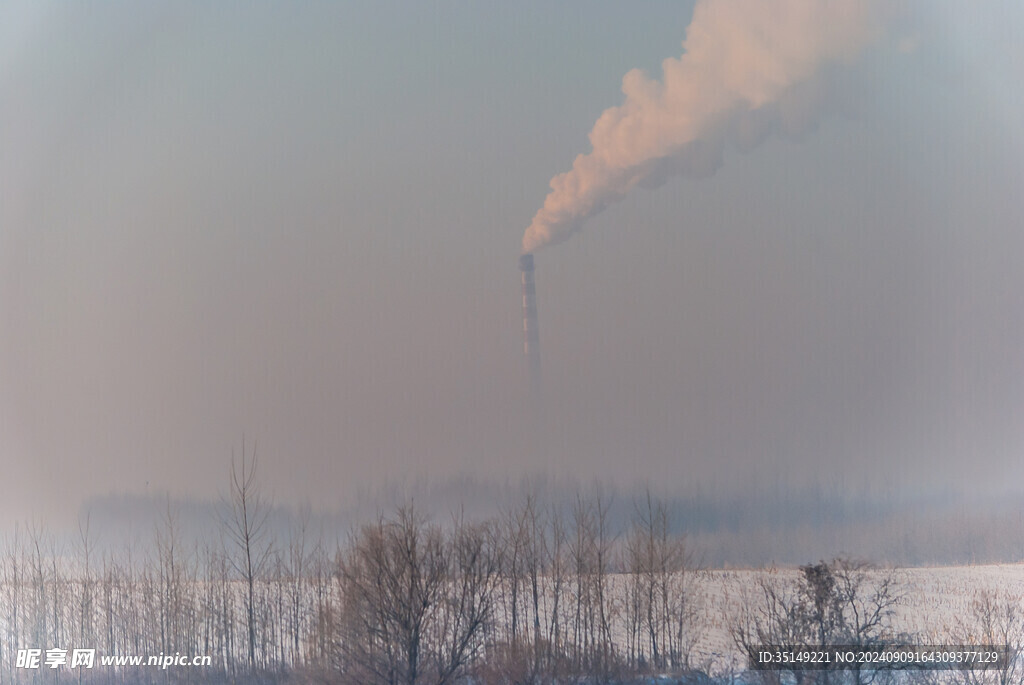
(738, 525)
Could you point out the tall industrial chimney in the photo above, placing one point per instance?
(531, 338)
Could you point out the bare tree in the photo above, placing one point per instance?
(842, 602)
(86, 607)
(392, 580)
(515, 530)
(417, 602)
(323, 630)
(295, 569)
(13, 616)
(37, 570)
(592, 612)
(661, 597)
(246, 526)
(557, 579)
(468, 598)
(995, 619)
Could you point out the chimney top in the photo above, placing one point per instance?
(526, 262)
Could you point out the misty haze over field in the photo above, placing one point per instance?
(301, 226)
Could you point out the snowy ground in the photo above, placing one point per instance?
(936, 603)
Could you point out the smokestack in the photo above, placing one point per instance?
(531, 337)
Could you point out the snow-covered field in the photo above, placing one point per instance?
(936, 605)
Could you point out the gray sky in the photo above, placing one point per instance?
(301, 225)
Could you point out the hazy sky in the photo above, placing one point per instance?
(300, 223)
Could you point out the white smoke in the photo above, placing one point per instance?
(749, 69)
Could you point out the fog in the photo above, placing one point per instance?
(301, 226)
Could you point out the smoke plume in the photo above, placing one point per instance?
(748, 70)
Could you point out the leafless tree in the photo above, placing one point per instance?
(995, 619)
(842, 602)
(661, 597)
(14, 609)
(557, 579)
(323, 633)
(590, 552)
(392, 580)
(468, 598)
(295, 570)
(86, 601)
(417, 602)
(246, 527)
(515, 532)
